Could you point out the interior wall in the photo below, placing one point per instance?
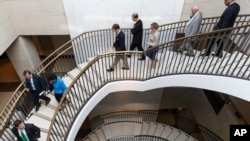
(7, 29)
(87, 15)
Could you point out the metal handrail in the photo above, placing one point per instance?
(137, 138)
(184, 124)
(171, 63)
(82, 44)
(120, 115)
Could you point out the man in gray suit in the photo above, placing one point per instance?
(192, 28)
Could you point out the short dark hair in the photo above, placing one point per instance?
(115, 26)
(17, 123)
(135, 15)
(25, 72)
(51, 77)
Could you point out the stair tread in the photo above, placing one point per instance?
(46, 111)
(40, 122)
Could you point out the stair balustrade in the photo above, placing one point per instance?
(94, 75)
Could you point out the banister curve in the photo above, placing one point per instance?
(172, 65)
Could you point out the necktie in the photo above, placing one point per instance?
(24, 137)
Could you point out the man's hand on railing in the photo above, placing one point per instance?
(27, 89)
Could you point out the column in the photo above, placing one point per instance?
(23, 55)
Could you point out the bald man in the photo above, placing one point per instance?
(192, 28)
(227, 20)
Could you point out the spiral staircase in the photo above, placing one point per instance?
(82, 63)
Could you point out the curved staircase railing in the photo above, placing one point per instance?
(94, 75)
(88, 44)
(182, 123)
(137, 138)
(121, 116)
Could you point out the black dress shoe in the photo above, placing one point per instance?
(179, 50)
(125, 68)
(37, 108)
(47, 102)
(142, 58)
(204, 54)
(110, 69)
(190, 55)
(217, 55)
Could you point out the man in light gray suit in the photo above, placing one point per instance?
(192, 28)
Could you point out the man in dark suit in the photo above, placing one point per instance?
(25, 132)
(119, 45)
(36, 86)
(226, 21)
(137, 31)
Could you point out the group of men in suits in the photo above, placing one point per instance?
(119, 43)
(227, 20)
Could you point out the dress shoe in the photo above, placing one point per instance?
(125, 68)
(190, 55)
(216, 55)
(179, 50)
(142, 58)
(37, 108)
(204, 54)
(110, 69)
(128, 55)
(47, 102)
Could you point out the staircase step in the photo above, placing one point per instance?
(73, 73)
(67, 80)
(45, 112)
(159, 130)
(137, 128)
(107, 131)
(100, 134)
(174, 134)
(182, 137)
(40, 122)
(145, 127)
(53, 103)
(152, 128)
(93, 137)
(166, 132)
(43, 136)
(81, 66)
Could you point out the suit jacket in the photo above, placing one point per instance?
(137, 31)
(38, 82)
(119, 43)
(228, 17)
(32, 131)
(193, 26)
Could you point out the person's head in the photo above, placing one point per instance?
(27, 74)
(154, 26)
(116, 28)
(227, 2)
(52, 78)
(19, 124)
(135, 17)
(194, 9)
